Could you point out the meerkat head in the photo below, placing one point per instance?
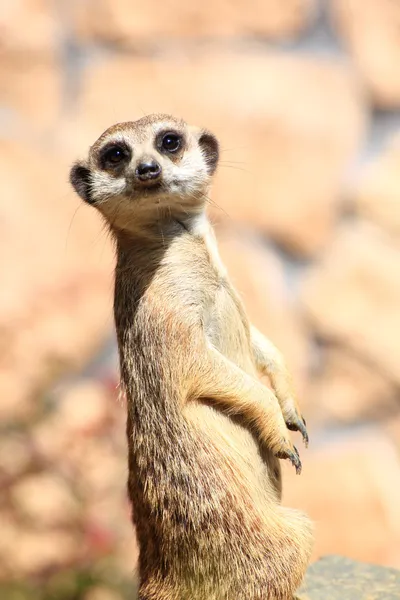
(145, 168)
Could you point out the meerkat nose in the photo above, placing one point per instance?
(149, 169)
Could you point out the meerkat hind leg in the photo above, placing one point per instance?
(269, 361)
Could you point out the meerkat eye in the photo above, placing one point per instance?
(113, 155)
(171, 142)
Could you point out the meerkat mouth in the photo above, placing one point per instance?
(147, 189)
(153, 188)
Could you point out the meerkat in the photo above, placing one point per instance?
(204, 434)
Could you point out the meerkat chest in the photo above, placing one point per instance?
(225, 321)
(226, 326)
(196, 280)
(202, 230)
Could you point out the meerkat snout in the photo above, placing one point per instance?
(148, 172)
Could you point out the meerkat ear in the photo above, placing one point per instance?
(80, 179)
(210, 147)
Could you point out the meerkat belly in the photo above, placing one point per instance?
(238, 449)
(256, 467)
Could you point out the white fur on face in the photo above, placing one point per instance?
(105, 187)
(192, 171)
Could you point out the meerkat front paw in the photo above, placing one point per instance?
(270, 362)
(275, 434)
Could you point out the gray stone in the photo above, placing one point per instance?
(338, 578)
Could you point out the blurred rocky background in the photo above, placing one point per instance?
(305, 99)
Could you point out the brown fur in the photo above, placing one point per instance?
(204, 433)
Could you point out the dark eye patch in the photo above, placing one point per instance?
(114, 154)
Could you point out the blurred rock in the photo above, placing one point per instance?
(55, 306)
(339, 578)
(15, 456)
(50, 440)
(392, 427)
(102, 470)
(348, 390)
(257, 273)
(87, 445)
(132, 23)
(25, 552)
(94, 457)
(39, 111)
(351, 490)
(377, 193)
(370, 29)
(84, 408)
(8, 542)
(108, 517)
(289, 124)
(45, 500)
(282, 162)
(102, 593)
(16, 405)
(353, 295)
(29, 27)
(126, 555)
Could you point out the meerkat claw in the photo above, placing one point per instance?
(297, 462)
(299, 425)
(293, 456)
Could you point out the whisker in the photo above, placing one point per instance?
(70, 225)
(215, 204)
(233, 149)
(236, 168)
(161, 230)
(114, 216)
